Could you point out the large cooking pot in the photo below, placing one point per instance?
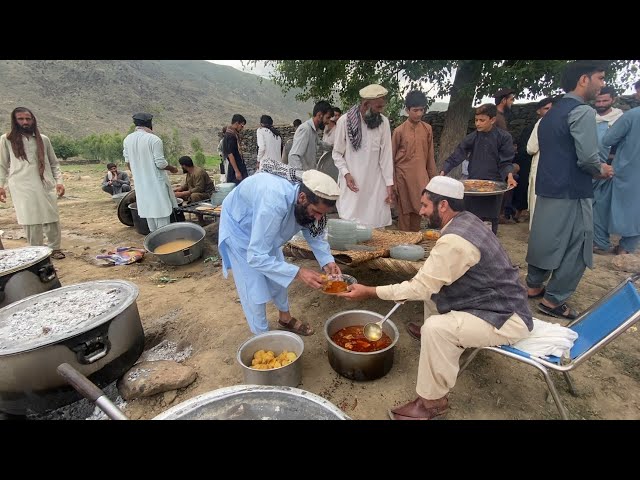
(93, 326)
(359, 365)
(173, 232)
(24, 272)
(141, 225)
(255, 402)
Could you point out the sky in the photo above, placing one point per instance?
(264, 72)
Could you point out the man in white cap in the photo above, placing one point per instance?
(259, 216)
(144, 153)
(477, 292)
(362, 154)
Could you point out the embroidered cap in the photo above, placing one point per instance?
(145, 117)
(373, 91)
(321, 184)
(446, 186)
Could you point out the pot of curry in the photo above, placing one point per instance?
(351, 354)
(177, 243)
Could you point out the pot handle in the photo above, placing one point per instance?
(47, 273)
(187, 252)
(95, 349)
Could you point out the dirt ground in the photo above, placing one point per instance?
(202, 308)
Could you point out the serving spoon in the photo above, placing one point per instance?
(373, 330)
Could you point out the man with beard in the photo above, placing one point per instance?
(197, 185)
(606, 116)
(259, 216)
(144, 153)
(29, 167)
(237, 168)
(476, 289)
(503, 99)
(561, 238)
(362, 154)
(302, 155)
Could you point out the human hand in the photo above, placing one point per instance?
(172, 169)
(351, 183)
(442, 174)
(606, 171)
(60, 190)
(391, 196)
(3, 195)
(239, 176)
(332, 269)
(357, 291)
(511, 182)
(310, 277)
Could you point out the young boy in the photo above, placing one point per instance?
(413, 161)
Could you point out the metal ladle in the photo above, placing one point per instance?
(373, 330)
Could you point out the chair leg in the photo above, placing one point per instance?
(554, 393)
(570, 383)
(467, 361)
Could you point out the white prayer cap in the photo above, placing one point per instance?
(446, 186)
(321, 184)
(373, 91)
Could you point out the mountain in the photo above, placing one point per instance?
(80, 97)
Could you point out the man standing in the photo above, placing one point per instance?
(114, 181)
(258, 217)
(362, 154)
(476, 289)
(561, 239)
(144, 153)
(625, 195)
(237, 169)
(29, 167)
(414, 161)
(606, 116)
(289, 143)
(197, 185)
(305, 141)
(504, 99)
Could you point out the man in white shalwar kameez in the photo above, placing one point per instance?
(259, 216)
(144, 153)
(29, 167)
(362, 154)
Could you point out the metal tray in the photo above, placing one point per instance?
(500, 187)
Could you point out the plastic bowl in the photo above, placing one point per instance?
(412, 253)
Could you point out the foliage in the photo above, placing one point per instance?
(199, 158)
(106, 147)
(196, 144)
(172, 146)
(64, 147)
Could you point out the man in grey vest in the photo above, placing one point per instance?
(476, 290)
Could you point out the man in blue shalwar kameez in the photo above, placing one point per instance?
(259, 216)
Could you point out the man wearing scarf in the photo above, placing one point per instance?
(259, 216)
(362, 155)
(29, 167)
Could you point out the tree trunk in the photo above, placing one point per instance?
(457, 118)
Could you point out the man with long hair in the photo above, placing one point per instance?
(29, 167)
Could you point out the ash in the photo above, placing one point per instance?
(14, 257)
(83, 409)
(167, 350)
(55, 317)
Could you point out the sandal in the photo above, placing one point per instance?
(58, 255)
(561, 311)
(296, 326)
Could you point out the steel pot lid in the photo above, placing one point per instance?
(50, 317)
(15, 259)
(124, 214)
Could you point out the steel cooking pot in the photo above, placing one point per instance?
(24, 272)
(359, 365)
(177, 231)
(73, 325)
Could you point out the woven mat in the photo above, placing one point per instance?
(382, 240)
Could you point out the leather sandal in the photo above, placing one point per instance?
(414, 330)
(415, 410)
(296, 326)
(58, 255)
(538, 295)
(561, 311)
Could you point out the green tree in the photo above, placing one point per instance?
(196, 144)
(172, 146)
(64, 147)
(462, 80)
(199, 158)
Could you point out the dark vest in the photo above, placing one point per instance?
(491, 289)
(558, 173)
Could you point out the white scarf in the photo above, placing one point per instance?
(610, 117)
(111, 176)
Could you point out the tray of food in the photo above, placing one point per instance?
(484, 187)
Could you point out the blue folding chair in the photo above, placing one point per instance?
(596, 327)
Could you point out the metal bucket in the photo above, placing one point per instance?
(359, 365)
(255, 402)
(139, 223)
(290, 375)
(29, 278)
(177, 231)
